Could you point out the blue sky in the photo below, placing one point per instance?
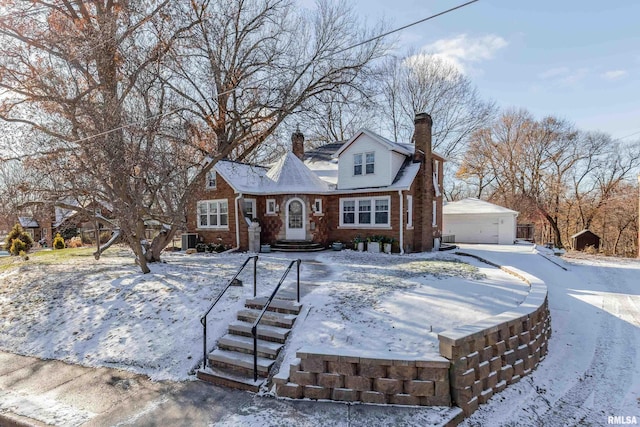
(577, 60)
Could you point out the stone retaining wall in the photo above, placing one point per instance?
(477, 361)
(367, 377)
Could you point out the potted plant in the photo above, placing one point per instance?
(358, 243)
(373, 244)
(387, 244)
(336, 246)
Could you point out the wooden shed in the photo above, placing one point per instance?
(580, 241)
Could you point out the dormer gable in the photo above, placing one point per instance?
(369, 160)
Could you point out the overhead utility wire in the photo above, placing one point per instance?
(388, 33)
(168, 113)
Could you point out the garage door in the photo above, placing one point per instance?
(472, 230)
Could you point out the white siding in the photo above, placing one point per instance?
(382, 175)
(397, 160)
(481, 228)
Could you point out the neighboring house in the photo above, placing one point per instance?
(368, 186)
(44, 220)
(477, 221)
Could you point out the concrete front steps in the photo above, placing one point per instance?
(296, 246)
(231, 363)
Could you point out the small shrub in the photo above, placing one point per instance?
(18, 247)
(75, 242)
(58, 242)
(17, 232)
(24, 255)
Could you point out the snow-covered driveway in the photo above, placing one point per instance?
(592, 370)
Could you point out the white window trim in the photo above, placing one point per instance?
(356, 223)
(353, 171)
(409, 212)
(213, 227)
(253, 207)
(268, 211)
(215, 174)
(365, 163)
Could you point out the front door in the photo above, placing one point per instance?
(295, 220)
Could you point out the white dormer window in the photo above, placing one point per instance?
(370, 163)
(357, 164)
(212, 179)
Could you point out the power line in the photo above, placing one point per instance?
(171, 112)
(404, 27)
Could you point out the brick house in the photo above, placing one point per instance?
(368, 186)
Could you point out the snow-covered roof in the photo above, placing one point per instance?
(287, 175)
(326, 170)
(28, 222)
(474, 206)
(243, 177)
(291, 175)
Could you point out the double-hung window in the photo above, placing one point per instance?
(212, 179)
(349, 212)
(370, 162)
(213, 214)
(365, 211)
(357, 164)
(382, 212)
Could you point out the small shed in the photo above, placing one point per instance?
(580, 241)
(477, 221)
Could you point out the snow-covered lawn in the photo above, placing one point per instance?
(105, 313)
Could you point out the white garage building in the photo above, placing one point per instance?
(476, 221)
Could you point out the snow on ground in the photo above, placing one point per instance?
(105, 313)
(592, 370)
(399, 304)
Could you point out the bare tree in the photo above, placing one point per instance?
(547, 169)
(423, 82)
(131, 103)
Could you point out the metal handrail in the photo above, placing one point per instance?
(254, 328)
(203, 319)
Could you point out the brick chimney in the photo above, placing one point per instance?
(425, 193)
(297, 143)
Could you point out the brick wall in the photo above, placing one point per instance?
(367, 377)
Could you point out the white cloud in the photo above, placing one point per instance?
(614, 74)
(462, 49)
(564, 76)
(554, 72)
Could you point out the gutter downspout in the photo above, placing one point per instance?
(401, 234)
(237, 223)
